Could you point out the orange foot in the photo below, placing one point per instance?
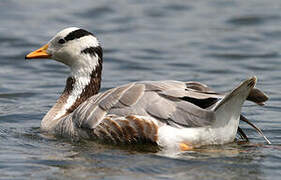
(185, 147)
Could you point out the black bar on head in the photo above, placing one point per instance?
(93, 51)
(77, 34)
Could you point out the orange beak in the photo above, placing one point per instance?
(39, 53)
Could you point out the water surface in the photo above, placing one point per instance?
(218, 42)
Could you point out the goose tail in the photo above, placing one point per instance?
(228, 109)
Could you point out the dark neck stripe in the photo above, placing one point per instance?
(89, 90)
(69, 86)
(77, 34)
(93, 51)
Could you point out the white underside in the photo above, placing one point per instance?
(171, 137)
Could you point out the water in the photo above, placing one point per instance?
(218, 42)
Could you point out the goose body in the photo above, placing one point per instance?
(172, 114)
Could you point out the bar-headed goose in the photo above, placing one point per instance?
(171, 114)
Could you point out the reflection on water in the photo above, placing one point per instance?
(218, 43)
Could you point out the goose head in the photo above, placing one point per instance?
(80, 50)
(77, 48)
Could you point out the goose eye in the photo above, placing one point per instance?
(61, 41)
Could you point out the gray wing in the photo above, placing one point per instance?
(256, 95)
(171, 102)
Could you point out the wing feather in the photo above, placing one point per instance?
(112, 98)
(94, 118)
(161, 100)
(132, 95)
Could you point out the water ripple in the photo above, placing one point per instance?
(252, 20)
(241, 56)
(216, 42)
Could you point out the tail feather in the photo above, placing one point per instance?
(244, 119)
(257, 96)
(229, 108)
(242, 134)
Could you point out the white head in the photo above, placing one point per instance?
(81, 51)
(75, 47)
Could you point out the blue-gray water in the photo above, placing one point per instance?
(219, 42)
